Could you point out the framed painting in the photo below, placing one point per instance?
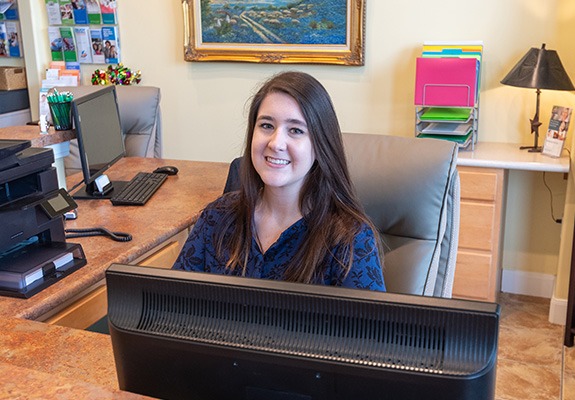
(275, 31)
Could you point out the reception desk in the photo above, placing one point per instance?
(41, 356)
(44, 360)
(169, 212)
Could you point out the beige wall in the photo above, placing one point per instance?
(203, 104)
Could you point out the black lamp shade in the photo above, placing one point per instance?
(539, 69)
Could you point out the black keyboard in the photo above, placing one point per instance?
(139, 190)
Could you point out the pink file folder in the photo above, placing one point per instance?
(447, 81)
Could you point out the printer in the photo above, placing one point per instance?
(33, 249)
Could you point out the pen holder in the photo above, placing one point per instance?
(61, 115)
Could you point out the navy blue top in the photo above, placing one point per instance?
(198, 253)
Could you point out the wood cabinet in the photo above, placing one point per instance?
(92, 305)
(478, 270)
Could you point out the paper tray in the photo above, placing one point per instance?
(31, 268)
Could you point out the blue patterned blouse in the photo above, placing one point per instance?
(198, 254)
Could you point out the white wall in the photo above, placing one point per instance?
(204, 104)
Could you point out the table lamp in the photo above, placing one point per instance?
(538, 69)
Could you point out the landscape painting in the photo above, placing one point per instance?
(275, 31)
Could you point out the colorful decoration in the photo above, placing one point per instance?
(118, 75)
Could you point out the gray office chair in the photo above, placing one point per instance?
(410, 189)
(141, 119)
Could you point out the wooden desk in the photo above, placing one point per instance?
(484, 179)
(171, 210)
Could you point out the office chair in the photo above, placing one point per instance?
(141, 119)
(409, 187)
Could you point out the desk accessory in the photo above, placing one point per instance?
(557, 131)
(60, 109)
(98, 231)
(538, 69)
(447, 87)
(446, 81)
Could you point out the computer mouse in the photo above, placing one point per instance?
(167, 169)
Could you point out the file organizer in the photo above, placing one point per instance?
(447, 87)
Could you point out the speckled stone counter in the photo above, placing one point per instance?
(38, 360)
(172, 209)
(41, 361)
(32, 133)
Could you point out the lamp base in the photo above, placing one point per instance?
(531, 149)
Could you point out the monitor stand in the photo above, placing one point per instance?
(93, 191)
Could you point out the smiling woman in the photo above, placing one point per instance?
(275, 31)
(282, 152)
(296, 216)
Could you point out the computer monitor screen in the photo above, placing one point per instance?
(100, 140)
(178, 334)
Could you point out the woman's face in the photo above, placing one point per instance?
(282, 151)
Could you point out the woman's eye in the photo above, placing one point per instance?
(297, 131)
(265, 125)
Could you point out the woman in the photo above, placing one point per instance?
(296, 216)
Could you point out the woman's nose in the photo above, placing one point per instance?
(277, 141)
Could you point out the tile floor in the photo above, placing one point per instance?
(532, 362)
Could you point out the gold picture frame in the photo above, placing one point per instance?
(345, 52)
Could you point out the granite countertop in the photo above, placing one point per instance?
(32, 133)
(44, 361)
(175, 207)
(38, 360)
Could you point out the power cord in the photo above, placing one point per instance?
(557, 220)
(98, 231)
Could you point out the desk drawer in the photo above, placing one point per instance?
(476, 225)
(473, 278)
(479, 183)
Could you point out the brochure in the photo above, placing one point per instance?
(55, 43)
(3, 41)
(97, 46)
(66, 12)
(68, 44)
(80, 12)
(94, 16)
(557, 131)
(53, 11)
(111, 47)
(13, 36)
(108, 10)
(83, 45)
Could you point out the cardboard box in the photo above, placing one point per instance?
(12, 78)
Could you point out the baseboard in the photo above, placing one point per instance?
(558, 311)
(527, 283)
(538, 285)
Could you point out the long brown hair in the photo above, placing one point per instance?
(328, 201)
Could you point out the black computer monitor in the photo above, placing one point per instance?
(100, 141)
(178, 334)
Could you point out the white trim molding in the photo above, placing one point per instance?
(528, 283)
(558, 311)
